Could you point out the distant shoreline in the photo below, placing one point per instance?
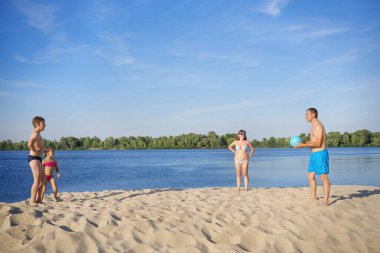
(211, 140)
(223, 148)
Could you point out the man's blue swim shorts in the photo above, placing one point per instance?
(319, 162)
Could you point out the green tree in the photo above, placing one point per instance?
(271, 143)
(72, 142)
(63, 142)
(375, 139)
(96, 142)
(86, 143)
(184, 141)
(334, 139)
(361, 138)
(109, 143)
(346, 139)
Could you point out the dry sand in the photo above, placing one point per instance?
(196, 220)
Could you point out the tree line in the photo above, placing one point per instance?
(360, 138)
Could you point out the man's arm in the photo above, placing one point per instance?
(316, 142)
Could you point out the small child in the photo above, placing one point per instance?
(50, 164)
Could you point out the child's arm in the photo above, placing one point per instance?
(57, 170)
(31, 142)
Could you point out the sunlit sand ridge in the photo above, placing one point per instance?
(196, 220)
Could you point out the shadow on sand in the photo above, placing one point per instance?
(359, 194)
(101, 197)
(153, 191)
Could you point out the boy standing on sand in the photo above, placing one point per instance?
(319, 159)
(36, 146)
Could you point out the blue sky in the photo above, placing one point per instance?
(153, 68)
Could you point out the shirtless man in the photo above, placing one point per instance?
(319, 159)
(36, 146)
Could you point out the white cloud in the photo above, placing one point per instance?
(230, 58)
(293, 28)
(114, 49)
(236, 59)
(326, 32)
(38, 16)
(344, 58)
(43, 18)
(22, 84)
(209, 109)
(101, 10)
(51, 54)
(273, 7)
(24, 59)
(4, 94)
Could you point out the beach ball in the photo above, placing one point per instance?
(295, 140)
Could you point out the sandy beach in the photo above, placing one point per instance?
(196, 220)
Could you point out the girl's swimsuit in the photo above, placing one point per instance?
(49, 164)
(241, 148)
(238, 147)
(240, 161)
(49, 177)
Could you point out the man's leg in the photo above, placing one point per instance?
(326, 188)
(313, 185)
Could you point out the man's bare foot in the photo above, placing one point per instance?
(35, 204)
(246, 189)
(325, 203)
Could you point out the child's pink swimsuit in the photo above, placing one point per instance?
(49, 164)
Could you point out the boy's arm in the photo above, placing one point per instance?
(31, 142)
(316, 142)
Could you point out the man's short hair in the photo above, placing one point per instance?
(37, 120)
(313, 111)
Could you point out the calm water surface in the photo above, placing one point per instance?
(136, 169)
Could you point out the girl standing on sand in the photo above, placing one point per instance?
(50, 164)
(241, 158)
